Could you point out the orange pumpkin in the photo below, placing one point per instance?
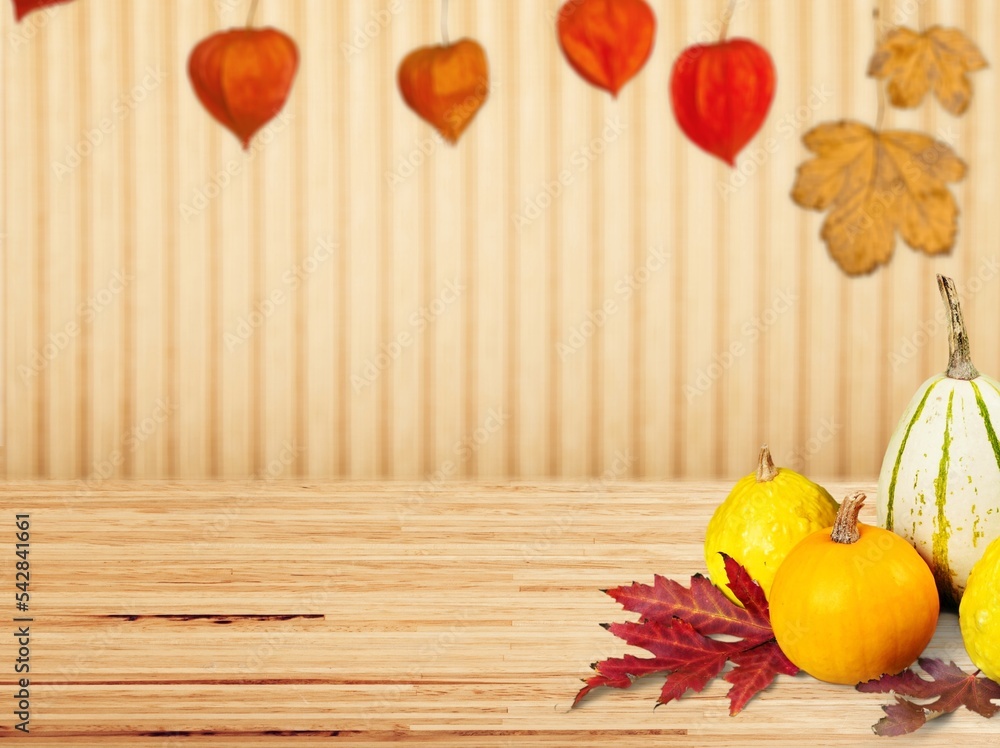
(854, 602)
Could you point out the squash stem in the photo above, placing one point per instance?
(845, 527)
(766, 471)
(959, 362)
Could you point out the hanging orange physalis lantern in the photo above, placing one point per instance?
(242, 76)
(446, 84)
(606, 41)
(24, 7)
(721, 93)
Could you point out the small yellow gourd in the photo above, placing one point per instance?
(979, 613)
(853, 602)
(764, 516)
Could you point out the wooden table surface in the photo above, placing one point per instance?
(360, 614)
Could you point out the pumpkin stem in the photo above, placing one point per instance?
(766, 471)
(845, 527)
(959, 362)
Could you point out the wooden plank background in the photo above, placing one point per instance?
(364, 614)
(141, 245)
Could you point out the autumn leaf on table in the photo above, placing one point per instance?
(24, 7)
(876, 183)
(950, 688)
(937, 59)
(677, 625)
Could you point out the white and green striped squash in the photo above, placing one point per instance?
(939, 486)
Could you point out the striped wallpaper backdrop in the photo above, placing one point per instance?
(574, 290)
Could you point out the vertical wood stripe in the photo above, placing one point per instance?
(384, 251)
(512, 245)
(848, 76)
(4, 273)
(428, 412)
(301, 240)
(596, 346)
(41, 459)
(171, 280)
(805, 237)
(258, 342)
(216, 332)
(469, 251)
(554, 266)
(763, 242)
(83, 451)
(129, 238)
(653, 381)
(682, 294)
(342, 387)
(927, 121)
(885, 416)
(640, 246)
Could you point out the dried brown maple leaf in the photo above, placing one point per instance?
(915, 62)
(677, 624)
(950, 688)
(876, 183)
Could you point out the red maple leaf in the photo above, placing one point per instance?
(677, 626)
(950, 687)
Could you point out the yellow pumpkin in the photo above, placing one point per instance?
(764, 516)
(979, 613)
(853, 602)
